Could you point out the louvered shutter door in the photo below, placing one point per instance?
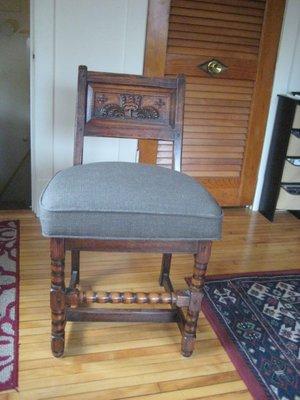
(217, 108)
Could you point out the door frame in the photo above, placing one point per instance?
(154, 61)
(154, 64)
(42, 14)
(285, 81)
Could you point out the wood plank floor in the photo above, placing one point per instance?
(138, 361)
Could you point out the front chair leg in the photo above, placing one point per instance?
(57, 296)
(196, 288)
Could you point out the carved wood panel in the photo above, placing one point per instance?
(132, 105)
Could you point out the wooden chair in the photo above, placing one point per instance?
(128, 207)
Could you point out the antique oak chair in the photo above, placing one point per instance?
(128, 207)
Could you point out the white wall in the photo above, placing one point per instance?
(105, 35)
(286, 79)
(14, 87)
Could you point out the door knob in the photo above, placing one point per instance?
(213, 67)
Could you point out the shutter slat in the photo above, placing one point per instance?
(217, 109)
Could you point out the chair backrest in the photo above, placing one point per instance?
(129, 106)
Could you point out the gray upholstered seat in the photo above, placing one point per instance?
(117, 200)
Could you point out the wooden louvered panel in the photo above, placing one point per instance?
(225, 116)
(217, 24)
(215, 116)
(178, 33)
(217, 109)
(242, 3)
(192, 27)
(220, 6)
(194, 45)
(198, 9)
(198, 87)
(209, 52)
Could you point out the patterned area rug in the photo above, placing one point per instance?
(257, 319)
(9, 304)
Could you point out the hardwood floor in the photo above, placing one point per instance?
(119, 360)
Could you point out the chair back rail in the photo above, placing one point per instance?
(129, 106)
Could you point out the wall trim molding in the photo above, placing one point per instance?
(285, 67)
(41, 94)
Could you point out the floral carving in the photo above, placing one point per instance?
(130, 107)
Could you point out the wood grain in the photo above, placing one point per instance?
(154, 61)
(261, 99)
(237, 33)
(185, 54)
(129, 106)
(113, 360)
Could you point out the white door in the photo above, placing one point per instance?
(105, 35)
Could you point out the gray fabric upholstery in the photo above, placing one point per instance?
(118, 200)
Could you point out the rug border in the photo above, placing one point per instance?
(15, 375)
(295, 271)
(253, 384)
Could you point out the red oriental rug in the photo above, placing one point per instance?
(9, 304)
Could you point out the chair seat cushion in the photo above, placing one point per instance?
(119, 200)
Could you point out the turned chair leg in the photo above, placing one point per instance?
(196, 284)
(57, 296)
(75, 265)
(165, 268)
